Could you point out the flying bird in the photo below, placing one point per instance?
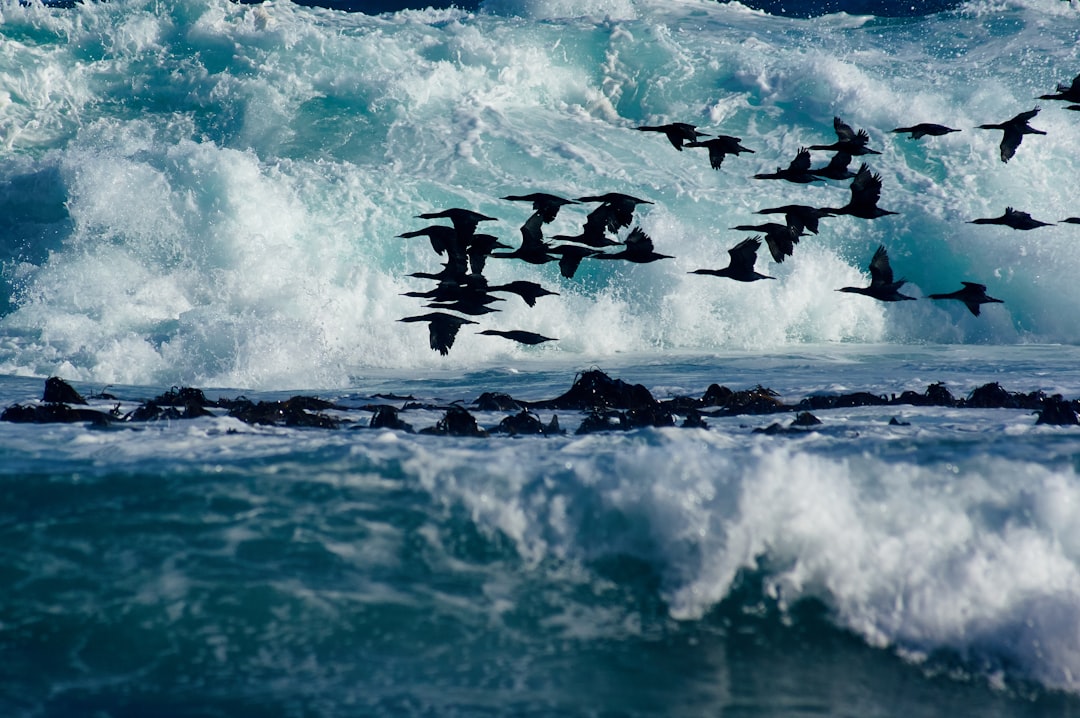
(799, 216)
(781, 238)
(464, 220)
(547, 205)
(741, 267)
(1014, 131)
(533, 249)
(925, 128)
(798, 170)
(442, 329)
(837, 169)
(847, 140)
(1068, 93)
(637, 248)
(528, 291)
(972, 295)
(519, 336)
(882, 286)
(677, 133)
(865, 193)
(1013, 218)
(720, 147)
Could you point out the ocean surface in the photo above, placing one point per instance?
(207, 194)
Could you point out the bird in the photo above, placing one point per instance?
(637, 248)
(533, 249)
(546, 204)
(616, 211)
(1069, 93)
(677, 133)
(847, 140)
(972, 295)
(464, 220)
(1013, 218)
(882, 286)
(1072, 220)
(799, 216)
(1014, 131)
(780, 238)
(528, 291)
(798, 170)
(442, 329)
(925, 128)
(741, 267)
(865, 193)
(480, 248)
(519, 336)
(837, 168)
(442, 239)
(720, 147)
(570, 256)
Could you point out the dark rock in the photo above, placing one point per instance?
(524, 423)
(694, 420)
(993, 396)
(386, 417)
(58, 391)
(54, 413)
(456, 422)
(596, 391)
(805, 418)
(495, 401)
(1057, 411)
(759, 400)
(896, 422)
(291, 412)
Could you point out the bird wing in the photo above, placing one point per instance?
(801, 163)
(532, 234)
(1010, 140)
(637, 242)
(880, 269)
(861, 138)
(838, 163)
(865, 187)
(744, 254)
(1023, 117)
(975, 286)
(844, 133)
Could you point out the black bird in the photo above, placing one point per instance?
(519, 336)
(781, 238)
(442, 239)
(1069, 93)
(849, 141)
(865, 193)
(720, 147)
(616, 211)
(546, 204)
(797, 171)
(741, 267)
(837, 169)
(972, 295)
(925, 128)
(533, 249)
(464, 220)
(677, 133)
(480, 248)
(1072, 220)
(882, 287)
(1014, 131)
(799, 216)
(1013, 218)
(442, 329)
(637, 248)
(570, 256)
(528, 291)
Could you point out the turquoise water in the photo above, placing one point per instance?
(209, 194)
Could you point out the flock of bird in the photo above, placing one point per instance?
(462, 288)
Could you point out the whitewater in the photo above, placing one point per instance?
(210, 194)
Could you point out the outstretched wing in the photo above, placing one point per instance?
(865, 187)
(744, 254)
(880, 269)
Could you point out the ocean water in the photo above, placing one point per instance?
(209, 194)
